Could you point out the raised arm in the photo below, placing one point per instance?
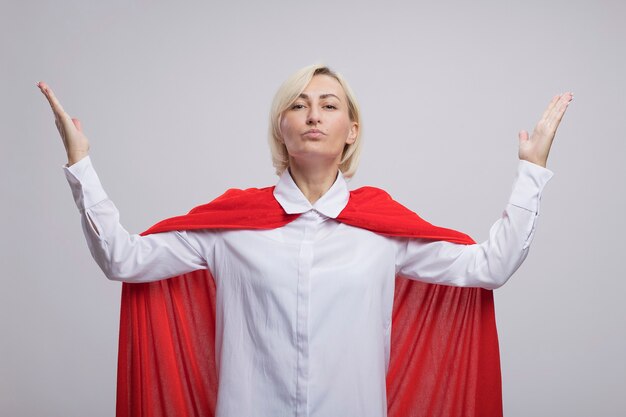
(488, 264)
(121, 256)
(491, 263)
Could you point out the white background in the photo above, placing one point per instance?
(175, 98)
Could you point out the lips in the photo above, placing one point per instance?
(314, 133)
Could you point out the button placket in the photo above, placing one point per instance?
(305, 263)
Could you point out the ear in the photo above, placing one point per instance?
(352, 133)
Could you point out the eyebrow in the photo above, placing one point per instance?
(322, 96)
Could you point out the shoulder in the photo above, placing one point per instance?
(373, 209)
(236, 197)
(245, 193)
(369, 192)
(375, 199)
(252, 208)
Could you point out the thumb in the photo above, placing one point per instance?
(77, 124)
(523, 136)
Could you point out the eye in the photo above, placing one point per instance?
(297, 106)
(330, 107)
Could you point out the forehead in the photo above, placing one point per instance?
(322, 84)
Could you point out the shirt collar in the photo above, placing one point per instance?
(293, 201)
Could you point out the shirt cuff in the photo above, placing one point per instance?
(85, 184)
(529, 183)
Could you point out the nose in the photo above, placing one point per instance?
(313, 117)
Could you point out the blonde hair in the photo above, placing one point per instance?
(288, 92)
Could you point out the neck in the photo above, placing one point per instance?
(313, 180)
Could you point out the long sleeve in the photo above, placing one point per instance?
(488, 264)
(123, 256)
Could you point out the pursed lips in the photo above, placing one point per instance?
(315, 133)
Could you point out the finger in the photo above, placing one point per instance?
(559, 110)
(77, 124)
(59, 113)
(550, 107)
(54, 102)
(553, 115)
(523, 136)
(565, 101)
(59, 126)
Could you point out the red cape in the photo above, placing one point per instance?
(444, 358)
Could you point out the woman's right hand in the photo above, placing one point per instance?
(75, 142)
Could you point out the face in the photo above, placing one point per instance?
(317, 126)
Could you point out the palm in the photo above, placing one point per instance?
(75, 142)
(536, 148)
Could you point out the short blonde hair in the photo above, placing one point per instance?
(288, 92)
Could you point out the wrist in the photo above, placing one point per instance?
(543, 165)
(536, 160)
(75, 157)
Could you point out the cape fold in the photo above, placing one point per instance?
(444, 358)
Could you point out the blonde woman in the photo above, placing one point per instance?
(281, 301)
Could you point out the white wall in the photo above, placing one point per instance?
(174, 99)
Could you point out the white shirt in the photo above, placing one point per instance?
(303, 312)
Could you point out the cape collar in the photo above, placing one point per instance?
(293, 201)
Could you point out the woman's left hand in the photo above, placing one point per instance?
(536, 148)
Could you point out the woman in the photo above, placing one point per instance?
(305, 290)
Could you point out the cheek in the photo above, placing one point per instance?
(344, 126)
(286, 126)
